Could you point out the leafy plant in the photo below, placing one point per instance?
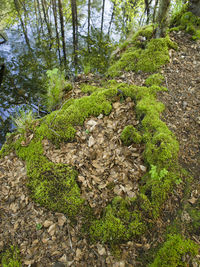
(23, 119)
(157, 176)
(56, 87)
(38, 226)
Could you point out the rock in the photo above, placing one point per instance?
(47, 223)
(101, 250)
(91, 141)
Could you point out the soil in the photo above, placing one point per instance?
(106, 168)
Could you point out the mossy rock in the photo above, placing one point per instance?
(175, 251)
(130, 135)
(120, 223)
(10, 258)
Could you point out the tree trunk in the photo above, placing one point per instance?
(154, 11)
(88, 35)
(56, 27)
(75, 32)
(17, 7)
(162, 18)
(62, 31)
(111, 19)
(102, 16)
(194, 7)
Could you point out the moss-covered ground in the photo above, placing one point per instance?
(54, 186)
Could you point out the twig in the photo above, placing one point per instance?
(70, 241)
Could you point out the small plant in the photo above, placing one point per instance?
(56, 87)
(23, 119)
(157, 176)
(38, 226)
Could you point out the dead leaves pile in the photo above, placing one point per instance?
(106, 167)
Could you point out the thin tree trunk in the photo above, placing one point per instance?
(154, 11)
(162, 18)
(62, 31)
(46, 19)
(40, 16)
(102, 16)
(111, 19)
(56, 27)
(75, 32)
(88, 36)
(17, 7)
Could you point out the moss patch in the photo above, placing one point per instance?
(154, 79)
(175, 251)
(148, 56)
(130, 135)
(119, 223)
(10, 258)
(187, 21)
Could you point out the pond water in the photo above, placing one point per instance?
(23, 66)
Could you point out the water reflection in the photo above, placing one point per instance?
(21, 74)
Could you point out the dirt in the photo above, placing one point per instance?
(106, 168)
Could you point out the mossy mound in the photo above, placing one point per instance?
(10, 258)
(119, 223)
(130, 135)
(194, 213)
(147, 56)
(175, 252)
(185, 20)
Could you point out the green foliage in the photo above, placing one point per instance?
(23, 120)
(157, 176)
(11, 258)
(56, 87)
(154, 79)
(174, 252)
(120, 223)
(130, 135)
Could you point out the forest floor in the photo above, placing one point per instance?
(106, 168)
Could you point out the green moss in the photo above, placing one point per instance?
(174, 252)
(51, 185)
(11, 258)
(120, 223)
(194, 212)
(187, 21)
(87, 88)
(155, 79)
(130, 135)
(148, 59)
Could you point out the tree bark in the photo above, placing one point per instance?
(102, 16)
(75, 31)
(162, 18)
(194, 7)
(62, 31)
(56, 27)
(88, 35)
(17, 7)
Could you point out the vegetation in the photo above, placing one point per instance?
(10, 258)
(174, 252)
(130, 135)
(55, 186)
